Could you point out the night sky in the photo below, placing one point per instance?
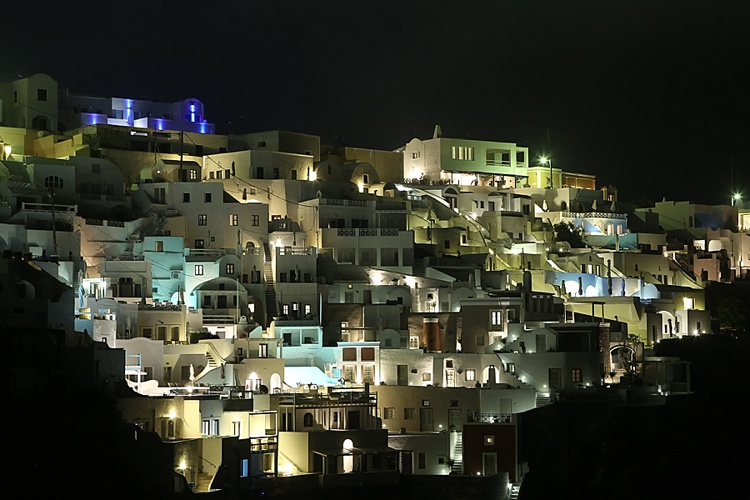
(650, 96)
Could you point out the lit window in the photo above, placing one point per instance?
(308, 309)
(496, 318)
(193, 175)
(389, 413)
(489, 440)
(202, 220)
(159, 246)
(230, 268)
(426, 377)
(234, 219)
(410, 413)
(199, 270)
(256, 220)
(576, 375)
(471, 375)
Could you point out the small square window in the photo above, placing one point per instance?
(489, 440)
(425, 402)
(41, 94)
(186, 197)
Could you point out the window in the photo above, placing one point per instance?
(410, 413)
(415, 155)
(263, 350)
(230, 268)
(245, 467)
(349, 354)
(425, 402)
(41, 94)
(496, 318)
(53, 181)
(199, 270)
(256, 220)
(447, 244)
(308, 309)
(389, 413)
(219, 174)
(472, 416)
(471, 375)
(236, 426)
(421, 461)
(489, 440)
(227, 174)
(96, 168)
(207, 198)
(576, 375)
(159, 246)
(202, 219)
(199, 244)
(193, 175)
(186, 197)
(427, 377)
(307, 420)
(234, 219)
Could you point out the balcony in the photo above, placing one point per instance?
(594, 215)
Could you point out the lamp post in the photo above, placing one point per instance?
(547, 161)
(735, 198)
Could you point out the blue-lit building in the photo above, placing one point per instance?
(183, 116)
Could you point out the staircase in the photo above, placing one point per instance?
(203, 482)
(542, 399)
(458, 455)
(515, 489)
(272, 309)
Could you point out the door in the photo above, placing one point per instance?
(222, 302)
(352, 420)
(555, 378)
(425, 420)
(489, 464)
(454, 418)
(541, 343)
(402, 374)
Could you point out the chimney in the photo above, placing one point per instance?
(437, 132)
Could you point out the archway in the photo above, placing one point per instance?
(348, 457)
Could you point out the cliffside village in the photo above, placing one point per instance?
(287, 315)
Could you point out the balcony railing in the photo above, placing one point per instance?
(387, 231)
(594, 215)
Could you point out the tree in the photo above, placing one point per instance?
(566, 231)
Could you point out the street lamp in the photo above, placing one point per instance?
(547, 161)
(735, 198)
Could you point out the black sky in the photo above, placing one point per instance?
(650, 96)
